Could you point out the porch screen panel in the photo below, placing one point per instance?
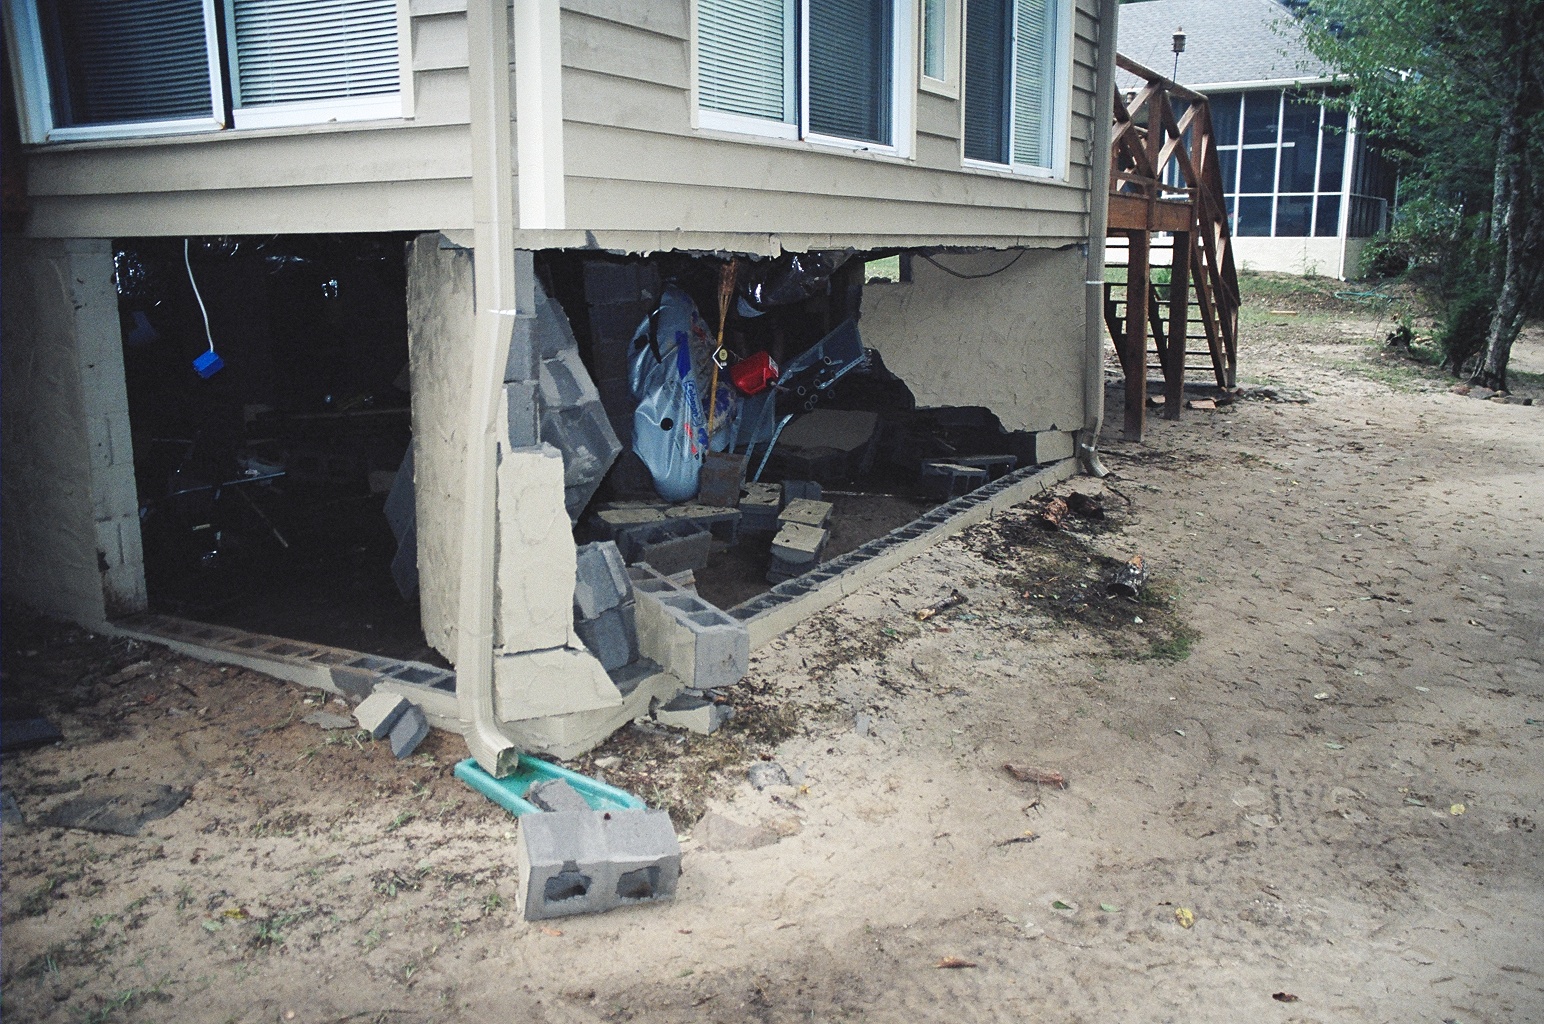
(988, 48)
(294, 51)
(851, 63)
(1034, 82)
(745, 58)
(125, 63)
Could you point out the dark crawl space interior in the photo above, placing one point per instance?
(265, 470)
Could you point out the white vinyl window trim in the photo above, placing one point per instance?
(795, 117)
(341, 60)
(1060, 102)
(35, 108)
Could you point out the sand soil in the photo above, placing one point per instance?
(1303, 771)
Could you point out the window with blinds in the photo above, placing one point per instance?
(295, 58)
(114, 68)
(1012, 72)
(792, 68)
(114, 64)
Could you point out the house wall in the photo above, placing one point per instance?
(1011, 341)
(69, 511)
(1306, 256)
(639, 175)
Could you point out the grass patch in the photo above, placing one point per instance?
(1174, 647)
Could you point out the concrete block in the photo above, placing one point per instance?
(520, 413)
(524, 362)
(377, 713)
(611, 636)
(591, 862)
(806, 512)
(793, 490)
(409, 731)
(557, 796)
(609, 522)
(685, 635)
(601, 582)
(724, 522)
(670, 547)
(952, 479)
(1053, 446)
(799, 543)
(720, 480)
(537, 684)
(759, 505)
(693, 714)
(536, 564)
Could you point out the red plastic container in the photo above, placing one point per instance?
(754, 374)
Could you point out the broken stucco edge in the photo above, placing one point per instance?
(768, 625)
(316, 676)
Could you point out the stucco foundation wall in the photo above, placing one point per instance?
(439, 348)
(69, 522)
(1012, 342)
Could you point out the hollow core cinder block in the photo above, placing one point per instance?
(588, 862)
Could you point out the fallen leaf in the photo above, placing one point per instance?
(1284, 997)
(554, 932)
(1109, 908)
(1059, 905)
(236, 912)
(953, 962)
(1457, 809)
(212, 926)
(1185, 916)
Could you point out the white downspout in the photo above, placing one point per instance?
(495, 273)
(1098, 221)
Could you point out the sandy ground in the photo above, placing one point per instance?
(1322, 747)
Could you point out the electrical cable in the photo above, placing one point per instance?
(973, 277)
(189, 264)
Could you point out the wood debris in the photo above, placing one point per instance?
(1039, 776)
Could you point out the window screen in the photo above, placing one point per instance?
(987, 53)
(1261, 112)
(933, 37)
(850, 67)
(745, 57)
(127, 63)
(1034, 84)
(294, 51)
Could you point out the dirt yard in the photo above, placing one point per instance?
(1304, 772)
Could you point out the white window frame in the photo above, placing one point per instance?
(35, 106)
(327, 111)
(949, 84)
(1061, 99)
(903, 86)
(29, 71)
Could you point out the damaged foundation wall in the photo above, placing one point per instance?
(1011, 341)
(69, 509)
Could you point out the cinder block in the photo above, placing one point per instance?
(806, 512)
(702, 645)
(798, 543)
(611, 636)
(670, 547)
(601, 582)
(377, 713)
(793, 490)
(1053, 446)
(590, 862)
(521, 415)
(720, 479)
(557, 796)
(952, 479)
(524, 362)
(759, 506)
(693, 714)
(409, 731)
(724, 522)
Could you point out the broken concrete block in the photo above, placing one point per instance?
(610, 521)
(806, 512)
(793, 490)
(759, 505)
(328, 721)
(520, 415)
(601, 582)
(719, 482)
(409, 731)
(685, 635)
(1053, 446)
(556, 795)
(670, 547)
(799, 543)
(378, 712)
(612, 636)
(537, 684)
(693, 713)
(537, 562)
(952, 479)
(590, 862)
(767, 773)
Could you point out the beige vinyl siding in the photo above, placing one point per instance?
(639, 175)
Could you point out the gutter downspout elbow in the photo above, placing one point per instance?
(1098, 223)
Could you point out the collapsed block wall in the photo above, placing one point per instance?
(439, 347)
(69, 509)
(1012, 342)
